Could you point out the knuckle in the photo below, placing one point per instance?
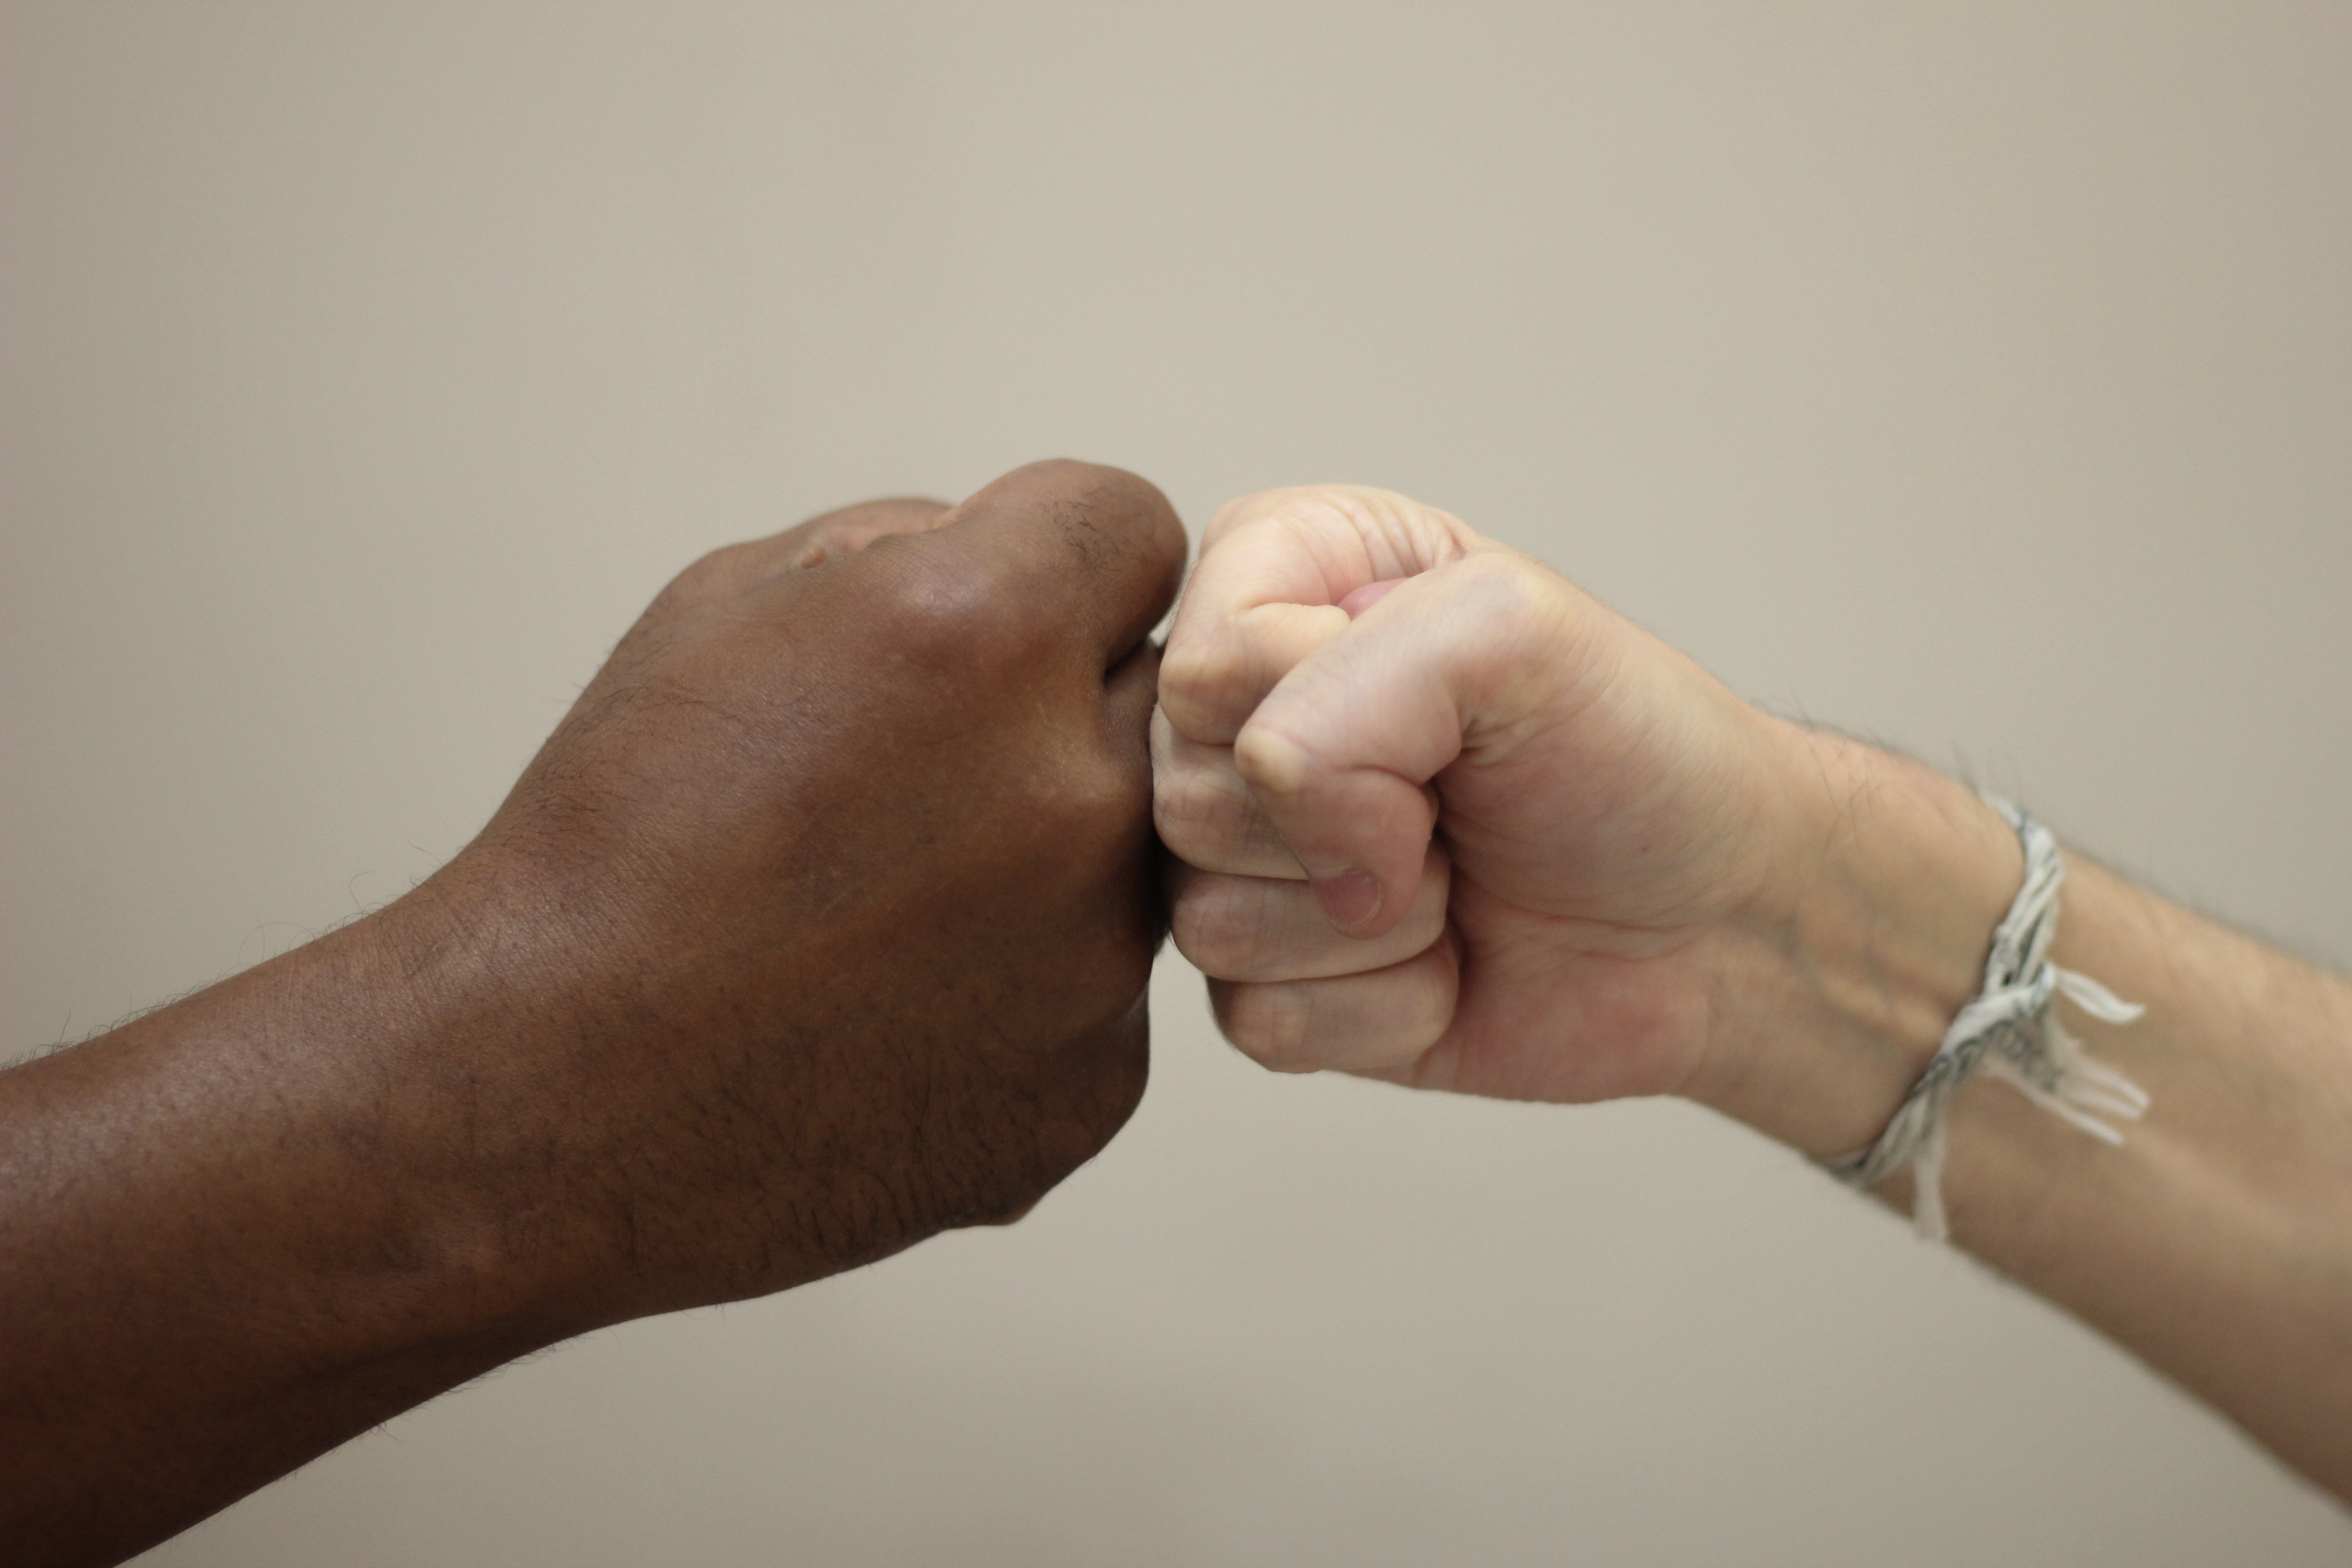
(820, 539)
(1220, 673)
(1400, 534)
(1199, 674)
(1075, 476)
(1219, 925)
(1287, 506)
(1271, 762)
(1103, 513)
(1068, 473)
(717, 574)
(967, 609)
(1104, 801)
(851, 528)
(1082, 841)
(1510, 593)
(1198, 812)
(1270, 1024)
(1098, 488)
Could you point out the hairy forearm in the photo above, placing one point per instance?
(652, 1041)
(2216, 1242)
(231, 1237)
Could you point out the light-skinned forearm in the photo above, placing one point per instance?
(2216, 1243)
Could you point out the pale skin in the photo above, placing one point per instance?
(1440, 818)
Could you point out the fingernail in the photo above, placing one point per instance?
(1348, 897)
(1370, 594)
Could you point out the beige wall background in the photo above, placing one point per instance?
(1977, 377)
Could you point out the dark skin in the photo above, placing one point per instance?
(820, 925)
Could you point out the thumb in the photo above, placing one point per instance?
(1343, 753)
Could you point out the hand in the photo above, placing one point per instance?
(821, 923)
(1443, 819)
(835, 890)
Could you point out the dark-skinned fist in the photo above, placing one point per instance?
(830, 906)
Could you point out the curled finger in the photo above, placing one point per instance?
(1271, 929)
(1378, 1021)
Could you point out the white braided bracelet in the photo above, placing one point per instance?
(2009, 1030)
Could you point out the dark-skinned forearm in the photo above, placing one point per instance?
(240, 1230)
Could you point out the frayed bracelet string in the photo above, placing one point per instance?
(2012, 1031)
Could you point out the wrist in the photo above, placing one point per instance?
(1866, 938)
(451, 1071)
(245, 1227)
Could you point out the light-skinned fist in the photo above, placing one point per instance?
(1438, 816)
